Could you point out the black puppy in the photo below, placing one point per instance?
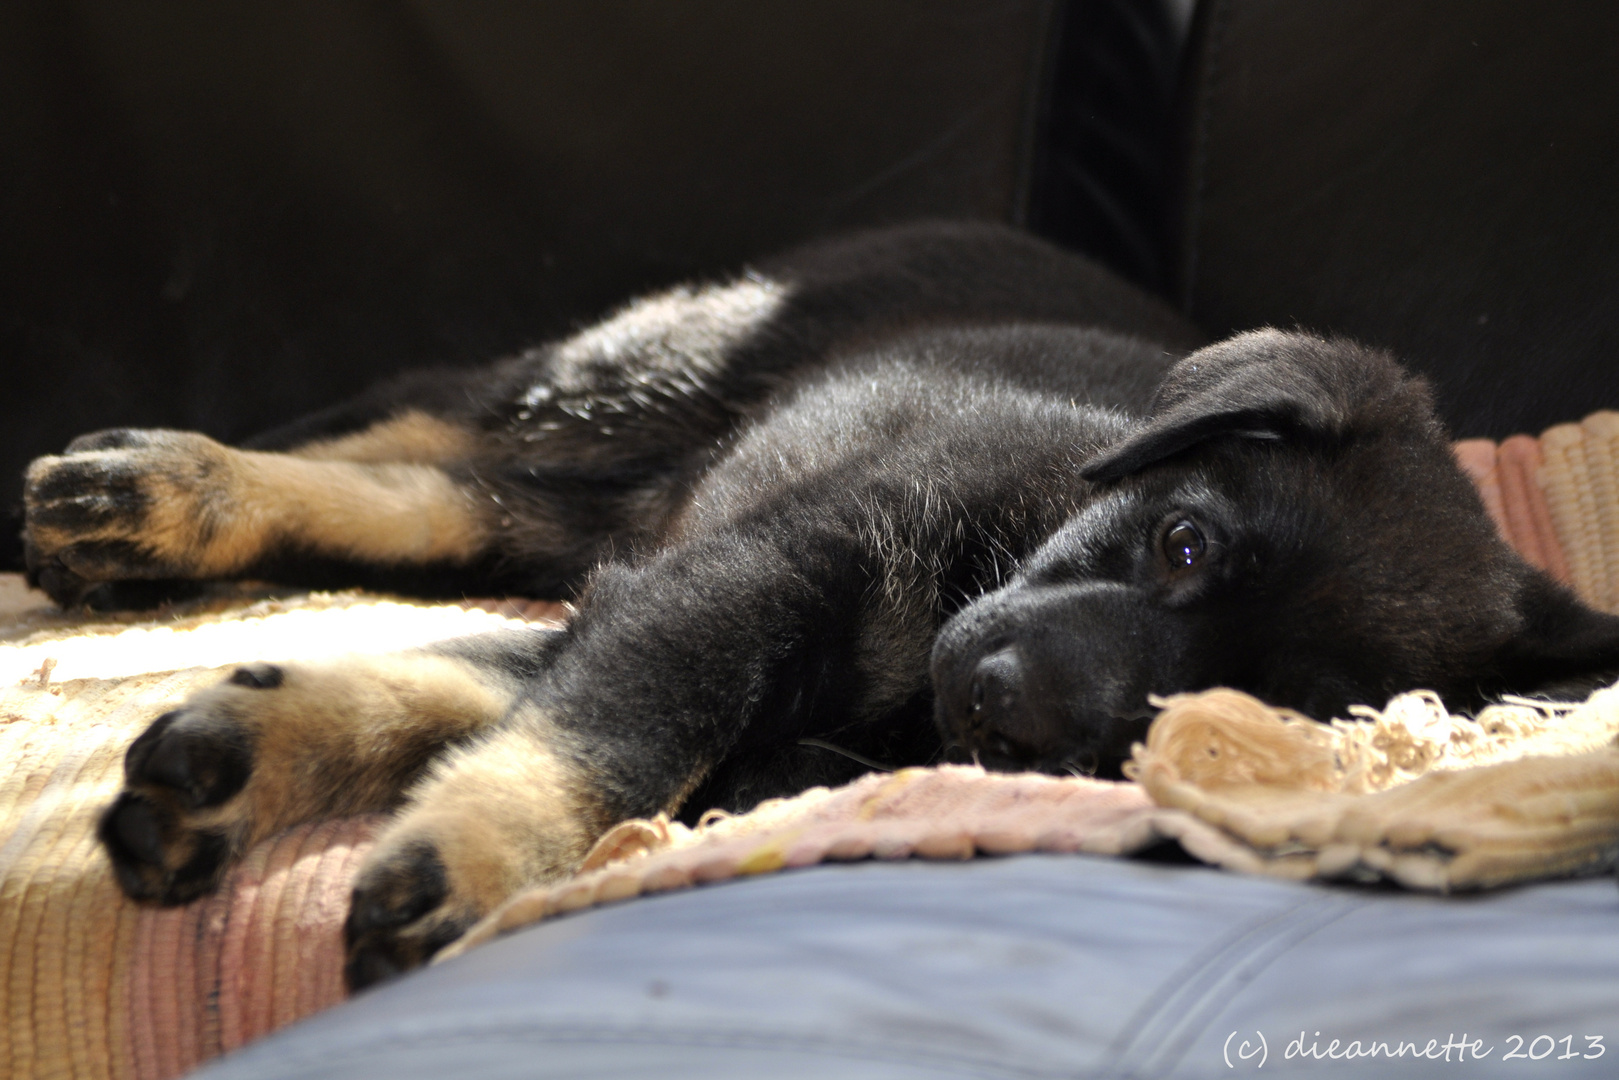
(937, 493)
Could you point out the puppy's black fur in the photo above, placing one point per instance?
(940, 493)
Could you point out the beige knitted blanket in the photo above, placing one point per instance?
(95, 986)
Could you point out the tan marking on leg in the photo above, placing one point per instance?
(411, 438)
(385, 513)
(507, 811)
(350, 736)
(504, 812)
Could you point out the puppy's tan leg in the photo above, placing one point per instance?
(508, 810)
(124, 505)
(277, 744)
(408, 438)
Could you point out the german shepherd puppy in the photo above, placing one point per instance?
(940, 493)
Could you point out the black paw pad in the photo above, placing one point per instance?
(132, 830)
(141, 840)
(379, 957)
(62, 585)
(394, 923)
(202, 760)
(87, 493)
(100, 560)
(199, 874)
(139, 595)
(398, 891)
(369, 965)
(258, 676)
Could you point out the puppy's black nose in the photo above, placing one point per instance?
(1013, 717)
(997, 688)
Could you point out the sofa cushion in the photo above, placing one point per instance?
(1019, 967)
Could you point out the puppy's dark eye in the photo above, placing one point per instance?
(1183, 545)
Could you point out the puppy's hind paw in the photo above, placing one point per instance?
(169, 833)
(235, 763)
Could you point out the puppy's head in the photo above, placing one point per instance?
(1288, 520)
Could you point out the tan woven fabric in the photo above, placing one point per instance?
(1509, 480)
(1580, 477)
(951, 812)
(1410, 794)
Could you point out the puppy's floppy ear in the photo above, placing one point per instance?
(1265, 384)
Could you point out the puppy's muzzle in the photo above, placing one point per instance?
(1052, 678)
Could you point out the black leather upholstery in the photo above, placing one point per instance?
(1436, 176)
(1102, 174)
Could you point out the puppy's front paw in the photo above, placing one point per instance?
(181, 817)
(126, 505)
(492, 819)
(407, 905)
